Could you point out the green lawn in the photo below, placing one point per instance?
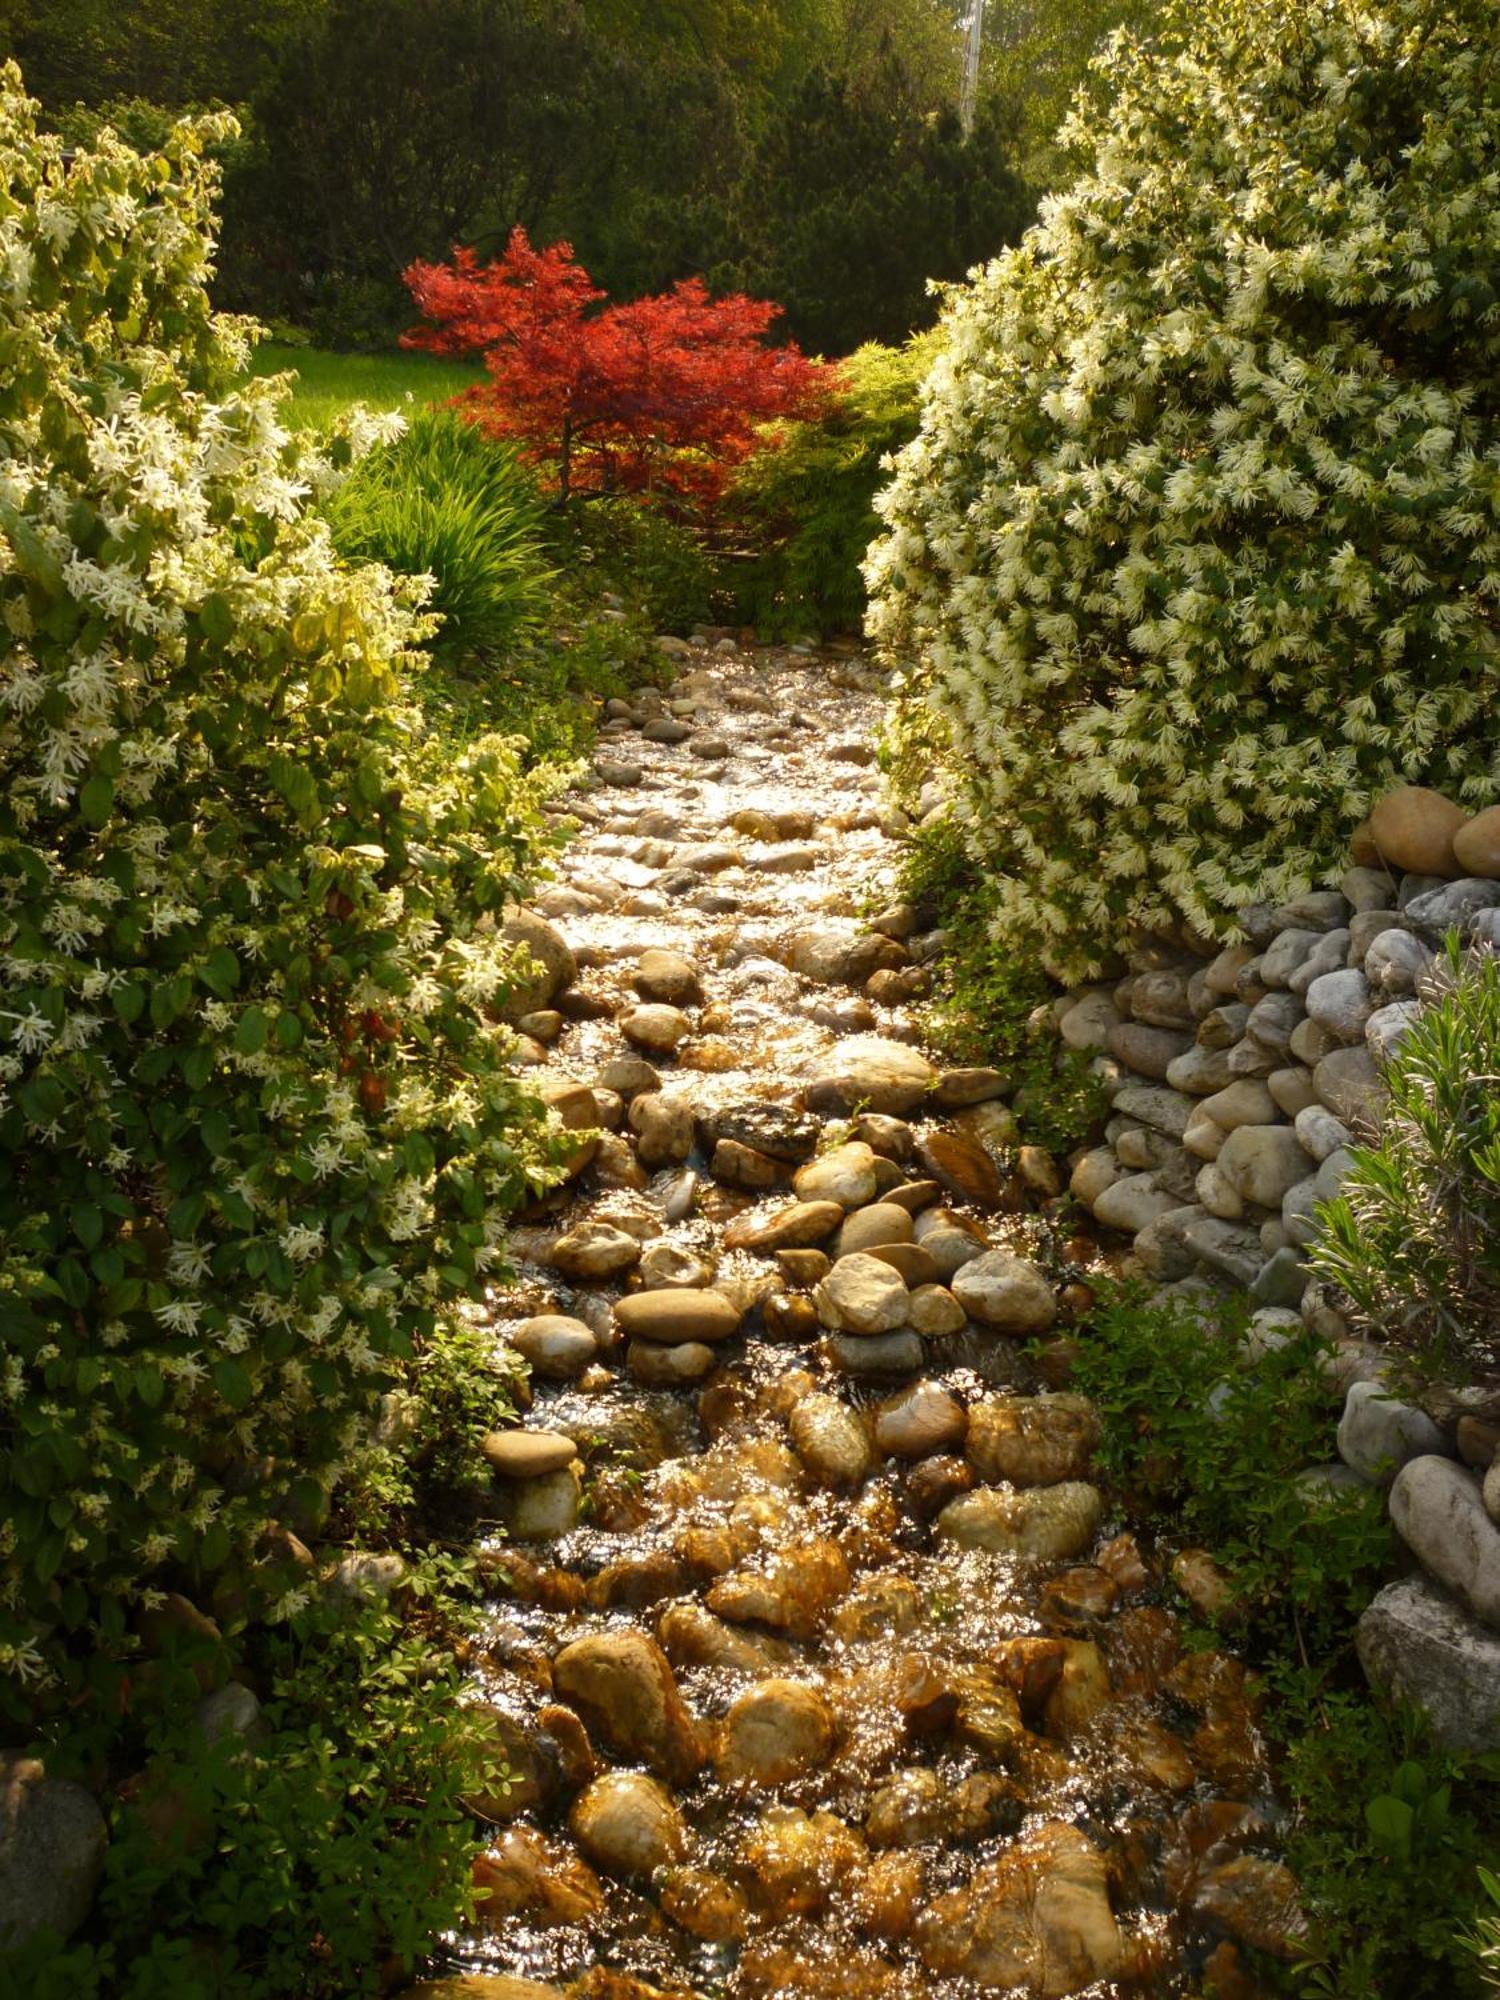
(328, 383)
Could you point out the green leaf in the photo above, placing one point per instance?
(216, 618)
(88, 1224)
(150, 1385)
(96, 799)
(129, 1002)
(233, 1382)
(250, 1034)
(1390, 1822)
(220, 971)
(215, 1131)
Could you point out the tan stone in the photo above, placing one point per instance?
(623, 1685)
(1036, 1921)
(676, 1314)
(1476, 845)
(1413, 829)
(774, 1731)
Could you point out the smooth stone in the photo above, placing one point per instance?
(628, 1824)
(673, 1267)
(1286, 953)
(868, 1073)
(1093, 1172)
(743, 1167)
(1247, 1101)
(555, 1345)
(1007, 1292)
(667, 976)
(1029, 1441)
(1454, 906)
(875, 1354)
(595, 1250)
(913, 1196)
(804, 1267)
(1419, 1647)
(1133, 1202)
(1261, 1162)
(797, 1227)
(1388, 1027)
(915, 1265)
(774, 1732)
(1476, 845)
(920, 1422)
(527, 1454)
(1292, 1089)
(840, 952)
(962, 1166)
(845, 1175)
(1037, 1920)
(629, 1076)
(1046, 1523)
(658, 1367)
(674, 1315)
(665, 1128)
(540, 1509)
(1413, 829)
(52, 1844)
(551, 966)
(830, 1440)
(1319, 1133)
(957, 1088)
(1330, 955)
(774, 1129)
(1378, 1434)
(1438, 1511)
(880, 1224)
(622, 1684)
(1148, 1051)
(1349, 1085)
(1086, 1024)
(659, 1029)
(1281, 1281)
(1397, 962)
(862, 1295)
(934, 1312)
(1341, 1003)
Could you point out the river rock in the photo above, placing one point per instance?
(1047, 1523)
(1378, 1434)
(1418, 1646)
(1413, 829)
(629, 1076)
(1134, 1202)
(743, 1167)
(799, 1226)
(657, 1028)
(875, 1356)
(675, 1314)
(669, 1367)
(1007, 1292)
(845, 1175)
(1246, 1101)
(629, 1824)
(830, 1440)
(1452, 906)
(1036, 1921)
(1348, 1083)
(1476, 845)
(920, 1422)
(867, 1073)
(1261, 1162)
(1438, 1511)
(665, 1129)
(527, 1454)
(774, 1129)
(669, 977)
(934, 1312)
(773, 1732)
(883, 1223)
(862, 1295)
(556, 1346)
(956, 1089)
(482, 1986)
(623, 1686)
(962, 1166)
(1341, 1003)
(551, 966)
(1031, 1440)
(595, 1250)
(840, 952)
(52, 1843)
(541, 1507)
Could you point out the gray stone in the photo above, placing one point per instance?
(1396, 961)
(1131, 1203)
(1087, 1023)
(1092, 1173)
(1223, 1026)
(1160, 999)
(1246, 1101)
(1329, 1179)
(1261, 1162)
(1281, 1280)
(1165, 1110)
(1331, 952)
(1411, 886)
(1148, 1051)
(864, 1355)
(1201, 1069)
(1319, 1133)
(1250, 1058)
(550, 964)
(1452, 907)
(1388, 1027)
(1221, 975)
(1272, 1020)
(1309, 1043)
(1285, 953)
(1364, 930)
(1229, 1248)
(1417, 1645)
(1162, 1246)
(862, 1295)
(1367, 889)
(1315, 910)
(1378, 1434)
(1438, 1511)
(555, 1345)
(1298, 1207)
(230, 1711)
(1349, 1085)
(52, 1842)
(1340, 1002)
(1005, 1291)
(1291, 1089)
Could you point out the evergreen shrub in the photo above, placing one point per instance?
(257, 1130)
(807, 508)
(1198, 547)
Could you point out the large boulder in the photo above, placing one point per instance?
(52, 1842)
(1418, 1646)
(1438, 1511)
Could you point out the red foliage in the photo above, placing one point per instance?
(663, 394)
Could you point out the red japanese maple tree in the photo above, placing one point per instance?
(664, 394)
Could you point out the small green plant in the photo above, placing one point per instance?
(1414, 1235)
(991, 1006)
(305, 1857)
(446, 502)
(1484, 1939)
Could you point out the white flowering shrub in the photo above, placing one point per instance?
(257, 1131)
(1198, 547)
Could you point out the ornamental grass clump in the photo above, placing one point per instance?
(1197, 550)
(257, 1130)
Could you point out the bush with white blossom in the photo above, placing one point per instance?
(257, 1129)
(1198, 548)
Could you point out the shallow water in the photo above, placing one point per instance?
(952, 1746)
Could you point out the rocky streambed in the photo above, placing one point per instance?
(821, 1660)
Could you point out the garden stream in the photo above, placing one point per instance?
(823, 1666)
